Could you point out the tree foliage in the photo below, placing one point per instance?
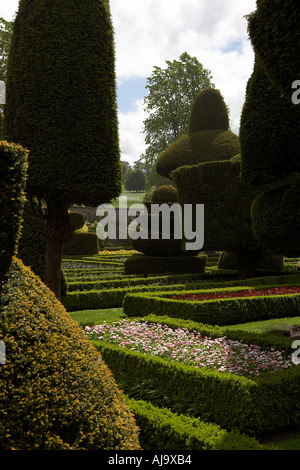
(171, 93)
(5, 38)
(135, 180)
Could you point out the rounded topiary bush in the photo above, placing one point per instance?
(56, 391)
(13, 164)
(165, 193)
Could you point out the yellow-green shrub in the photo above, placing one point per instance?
(56, 391)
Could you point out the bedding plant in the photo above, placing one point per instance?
(190, 347)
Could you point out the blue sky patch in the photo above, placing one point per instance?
(234, 46)
(129, 92)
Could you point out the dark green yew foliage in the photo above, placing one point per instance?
(268, 133)
(275, 34)
(227, 205)
(13, 171)
(61, 99)
(209, 137)
(209, 112)
(270, 126)
(276, 219)
(165, 193)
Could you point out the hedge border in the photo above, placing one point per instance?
(253, 405)
(215, 312)
(161, 429)
(114, 298)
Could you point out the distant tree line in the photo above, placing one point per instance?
(133, 178)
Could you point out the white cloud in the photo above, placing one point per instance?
(149, 32)
(152, 31)
(132, 142)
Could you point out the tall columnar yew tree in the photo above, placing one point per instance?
(61, 105)
(270, 126)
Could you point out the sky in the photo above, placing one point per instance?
(150, 32)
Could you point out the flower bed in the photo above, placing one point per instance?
(190, 347)
(229, 295)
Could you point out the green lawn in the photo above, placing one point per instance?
(132, 198)
(94, 317)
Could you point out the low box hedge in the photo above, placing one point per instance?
(160, 429)
(113, 298)
(135, 280)
(105, 298)
(225, 311)
(254, 405)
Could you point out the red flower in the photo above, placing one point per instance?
(244, 293)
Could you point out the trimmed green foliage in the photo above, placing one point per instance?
(165, 193)
(209, 112)
(214, 312)
(32, 244)
(276, 219)
(268, 262)
(269, 132)
(163, 430)
(202, 146)
(132, 280)
(105, 298)
(61, 100)
(56, 392)
(142, 264)
(114, 297)
(161, 238)
(209, 138)
(82, 243)
(13, 164)
(270, 125)
(227, 205)
(252, 406)
(274, 32)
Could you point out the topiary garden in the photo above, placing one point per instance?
(153, 348)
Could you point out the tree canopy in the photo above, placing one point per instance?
(171, 93)
(5, 38)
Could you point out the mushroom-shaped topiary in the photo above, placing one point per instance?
(209, 138)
